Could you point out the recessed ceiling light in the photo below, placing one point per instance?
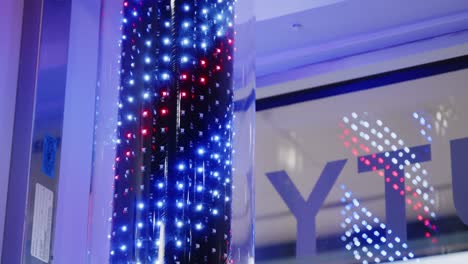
(296, 26)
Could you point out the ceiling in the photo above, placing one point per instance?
(304, 32)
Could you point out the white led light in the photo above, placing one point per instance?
(199, 207)
(185, 42)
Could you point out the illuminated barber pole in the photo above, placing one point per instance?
(173, 171)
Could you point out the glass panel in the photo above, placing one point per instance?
(366, 177)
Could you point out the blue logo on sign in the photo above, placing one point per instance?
(49, 150)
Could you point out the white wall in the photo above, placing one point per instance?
(10, 30)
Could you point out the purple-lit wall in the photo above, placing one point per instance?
(77, 140)
(10, 29)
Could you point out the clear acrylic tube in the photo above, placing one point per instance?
(173, 155)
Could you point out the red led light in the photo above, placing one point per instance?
(129, 135)
(183, 76)
(230, 41)
(183, 94)
(128, 153)
(145, 113)
(218, 68)
(164, 111)
(125, 4)
(144, 131)
(203, 80)
(203, 62)
(229, 57)
(164, 93)
(218, 50)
